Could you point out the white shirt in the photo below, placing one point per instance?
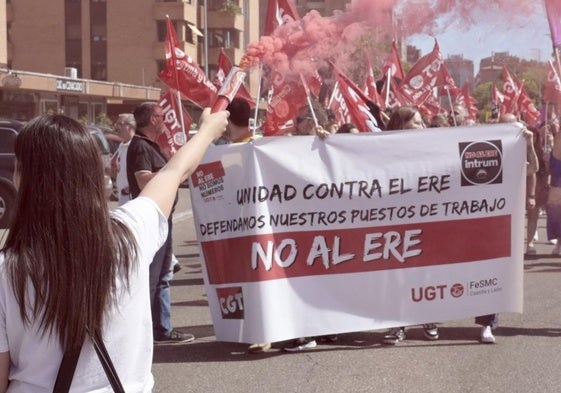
(35, 359)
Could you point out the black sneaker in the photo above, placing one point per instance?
(175, 337)
(393, 336)
(430, 332)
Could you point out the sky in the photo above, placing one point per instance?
(526, 36)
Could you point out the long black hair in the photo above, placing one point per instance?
(62, 242)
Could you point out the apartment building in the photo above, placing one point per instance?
(88, 57)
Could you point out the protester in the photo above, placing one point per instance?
(406, 118)
(458, 116)
(305, 125)
(439, 120)
(238, 123)
(347, 128)
(490, 322)
(70, 268)
(144, 160)
(554, 196)
(332, 123)
(541, 189)
(125, 126)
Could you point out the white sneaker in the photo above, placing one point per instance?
(536, 237)
(301, 344)
(487, 335)
(552, 241)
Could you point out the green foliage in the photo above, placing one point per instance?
(231, 7)
(532, 72)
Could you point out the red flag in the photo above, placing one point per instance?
(553, 11)
(286, 97)
(393, 64)
(278, 13)
(370, 89)
(427, 73)
(467, 101)
(224, 66)
(527, 109)
(355, 100)
(183, 74)
(395, 96)
(175, 135)
(338, 106)
(510, 93)
(552, 87)
(431, 107)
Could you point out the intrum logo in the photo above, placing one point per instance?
(457, 290)
(231, 302)
(481, 162)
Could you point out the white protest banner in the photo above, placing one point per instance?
(304, 237)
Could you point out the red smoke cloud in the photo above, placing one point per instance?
(298, 46)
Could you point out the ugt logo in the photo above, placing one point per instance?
(231, 302)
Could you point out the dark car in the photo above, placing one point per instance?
(8, 132)
(105, 151)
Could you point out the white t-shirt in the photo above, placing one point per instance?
(35, 359)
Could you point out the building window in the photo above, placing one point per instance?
(223, 38)
(182, 29)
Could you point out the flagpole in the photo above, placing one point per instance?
(451, 106)
(332, 94)
(177, 91)
(388, 80)
(307, 91)
(180, 105)
(556, 50)
(257, 99)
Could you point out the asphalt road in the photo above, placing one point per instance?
(526, 357)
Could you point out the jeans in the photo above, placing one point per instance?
(488, 320)
(160, 292)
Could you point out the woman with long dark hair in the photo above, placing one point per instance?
(70, 269)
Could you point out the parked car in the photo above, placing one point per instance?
(114, 141)
(105, 151)
(8, 132)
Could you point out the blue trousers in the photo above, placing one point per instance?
(160, 293)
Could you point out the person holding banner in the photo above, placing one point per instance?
(144, 160)
(311, 120)
(71, 269)
(554, 197)
(407, 118)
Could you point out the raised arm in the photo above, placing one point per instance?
(163, 186)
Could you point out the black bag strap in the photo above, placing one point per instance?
(66, 370)
(70, 360)
(107, 364)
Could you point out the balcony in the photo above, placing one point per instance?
(176, 11)
(225, 20)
